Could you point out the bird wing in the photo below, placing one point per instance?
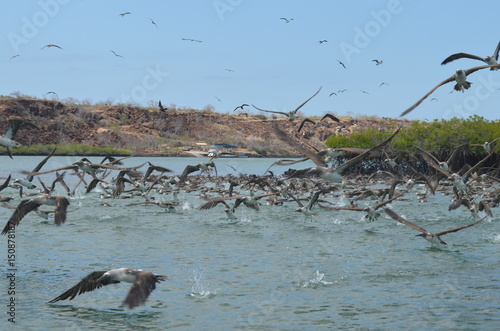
(457, 56)
(298, 147)
(471, 70)
(495, 54)
(459, 228)
(447, 80)
(24, 207)
(304, 122)
(189, 169)
(61, 206)
(432, 162)
(40, 165)
(87, 284)
(477, 165)
(303, 103)
(402, 220)
(429, 156)
(330, 116)
(270, 111)
(5, 184)
(454, 154)
(363, 155)
(144, 284)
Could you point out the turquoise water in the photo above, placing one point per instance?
(269, 270)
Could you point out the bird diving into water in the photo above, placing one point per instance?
(143, 283)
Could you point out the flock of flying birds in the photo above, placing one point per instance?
(311, 188)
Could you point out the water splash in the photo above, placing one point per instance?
(200, 289)
(316, 281)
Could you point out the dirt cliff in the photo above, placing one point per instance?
(151, 131)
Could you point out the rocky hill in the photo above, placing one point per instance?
(172, 132)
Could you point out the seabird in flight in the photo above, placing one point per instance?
(488, 59)
(377, 62)
(241, 107)
(341, 63)
(126, 13)
(459, 77)
(28, 205)
(51, 45)
(161, 106)
(291, 114)
(195, 40)
(144, 282)
(432, 237)
(321, 169)
(153, 22)
(287, 20)
(7, 139)
(316, 123)
(116, 54)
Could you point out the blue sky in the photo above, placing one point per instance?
(272, 64)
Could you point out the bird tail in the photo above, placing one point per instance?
(465, 86)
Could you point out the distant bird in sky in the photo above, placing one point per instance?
(488, 59)
(323, 41)
(378, 62)
(195, 40)
(333, 93)
(287, 20)
(381, 84)
(116, 54)
(241, 107)
(161, 106)
(341, 63)
(218, 99)
(363, 91)
(51, 92)
(13, 57)
(126, 13)
(342, 91)
(51, 45)
(230, 70)
(153, 22)
(143, 283)
(432, 237)
(459, 77)
(293, 113)
(434, 99)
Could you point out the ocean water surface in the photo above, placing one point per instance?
(269, 270)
